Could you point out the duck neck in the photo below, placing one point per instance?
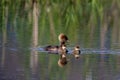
(62, 43)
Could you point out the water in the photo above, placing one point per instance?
(27, 63)
(19, 60)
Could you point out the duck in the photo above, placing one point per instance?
(76, 52)
(62, 38)
(62, 60)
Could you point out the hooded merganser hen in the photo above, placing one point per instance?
(62, 38)
(76, 52)
(62, 60)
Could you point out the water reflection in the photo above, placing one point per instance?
(3, 51)
(42, 65)
(62, 60)
(24, 64)
(34, 64)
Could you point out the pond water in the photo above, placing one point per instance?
(18, 62)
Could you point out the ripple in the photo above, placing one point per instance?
(85, 51)
(100, 51)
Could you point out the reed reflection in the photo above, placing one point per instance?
(4, 30)
(3, 49)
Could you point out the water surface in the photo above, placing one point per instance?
(28, 63)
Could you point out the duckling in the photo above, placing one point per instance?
(62, 38)
(76, 52)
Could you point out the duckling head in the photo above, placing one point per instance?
(62, 38)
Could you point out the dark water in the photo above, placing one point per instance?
(28, 63)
